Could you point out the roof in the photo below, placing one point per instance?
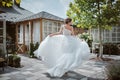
(44, 15)
(14, 14)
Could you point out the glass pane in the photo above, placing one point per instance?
(114, 29)
(55, 27)
(113, 39)
(55, 24)
(50, 28)
(118, 30)
(59, 24)
(106, 39)
(1, 39)
(19, 29)
(50, 24)
(45, 28)
(113, 34)
(118, 39)
(1, 32)
(58, 28)
(107, 34)
(45, 34)
(107, 31)
(118, 35)
(1, 24)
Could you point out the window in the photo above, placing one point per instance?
(54, 26)
(1, 31)
(112, 35)
(1, 39)
(1, 24)
(50, 27)
(18, 33)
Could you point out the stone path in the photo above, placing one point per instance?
(34, 69)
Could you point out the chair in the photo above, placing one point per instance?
(2, 60)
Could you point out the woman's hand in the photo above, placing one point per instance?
(51, 35)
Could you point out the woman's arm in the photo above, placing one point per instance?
(57, 33)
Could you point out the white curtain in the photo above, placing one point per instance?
(20, 38)
(27, 35)
(36, 31)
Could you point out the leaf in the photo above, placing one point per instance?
(3, 3)
(18, 1)
(6, 3)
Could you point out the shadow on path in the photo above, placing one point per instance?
(71, 76)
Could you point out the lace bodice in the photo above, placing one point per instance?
(66, 31)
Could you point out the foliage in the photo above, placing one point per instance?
(14, 60)
(86, 37)
(18, 1)
(6, 3)
(85, 13)
(99, 14)
(113, 71)
(33, 47)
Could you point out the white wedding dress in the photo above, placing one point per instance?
(62, 53)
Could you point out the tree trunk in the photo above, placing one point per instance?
(100, 42)
(100, 55)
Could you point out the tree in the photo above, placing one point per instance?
(8, 3)
(101, 14)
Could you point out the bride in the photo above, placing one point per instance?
(63, 51)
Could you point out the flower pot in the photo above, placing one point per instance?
(10, 58)
(16, 62)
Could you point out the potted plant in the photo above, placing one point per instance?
(14, 60)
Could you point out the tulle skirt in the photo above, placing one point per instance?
(62, 53)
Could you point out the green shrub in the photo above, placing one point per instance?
(111, 49)
(87, 38)
(113, 71)
(14, 60)
(33, 47)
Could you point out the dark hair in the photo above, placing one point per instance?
(67, 20)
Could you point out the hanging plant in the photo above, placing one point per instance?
(17, 1)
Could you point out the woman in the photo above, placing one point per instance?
(63, 51)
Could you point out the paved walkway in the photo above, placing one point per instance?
(34, 69)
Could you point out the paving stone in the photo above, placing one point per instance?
(85, 78)
(34, 69)
(4, 78)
